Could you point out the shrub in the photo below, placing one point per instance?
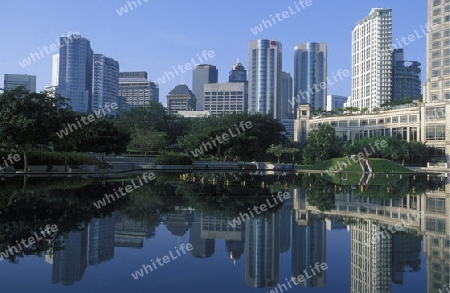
(173, 159)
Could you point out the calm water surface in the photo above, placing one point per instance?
(336, 234)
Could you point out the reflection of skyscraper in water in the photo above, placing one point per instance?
(131, 233)
(220, 228)
(437, 235)
(285, 224)
(101, 240)
(371, 265)
(262, 251)
(69, 264)
(308, 248)
(178, 222)
(202, 248)
(406, 255)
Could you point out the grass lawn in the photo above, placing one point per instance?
(385, 171)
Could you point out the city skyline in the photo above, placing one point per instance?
(193, 38)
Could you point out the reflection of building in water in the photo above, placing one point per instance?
(262, 251)
(386, 260)
(300, 206)
(131, 233)
(334, 224)
(435, 228)
(308, 247)
(371, 265)
(178, 222)
(220, 228)
(202, 248)
(101, 240)
(406, 255)
(285, 224)
(69, 264)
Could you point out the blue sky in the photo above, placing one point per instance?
(158, 35)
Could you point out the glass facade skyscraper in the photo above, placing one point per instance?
(287, 111)
(237, 73)
(201, 75)
(264, 77)
(76, 72)
(405, 77)
(310, 75)
(106, 82)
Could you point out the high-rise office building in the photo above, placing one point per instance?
(136, 91)
(372, 60)
(106, 82)
(335, 101)
(405, 77)
(437, 86)
(12, 81)
(180, 98)
(287, 111)
(223, 98)
(264, 77)
(310, 75)
(55, 70)
(76, 72)
(201, 75)
(237, 73)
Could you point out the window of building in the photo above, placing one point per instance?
(395, 119)
(403, 119)
(412, 118)
(436, 12)
(372, 122)
(436, 36)
(436, 2)
(363, 122)
(436, 205)
(435, 45)
(447, 18)
(343, 123)
(388, 120)
(435, 132)
(354, 123)
(437, 20)
(435, 225)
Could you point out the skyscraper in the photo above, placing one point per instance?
(136, 91)
(371, 60)
(201, 75)
(106, 82)
(437, 86)
(180, 98)
(310, 75)
(264, 77)
(287, 111)
(405, 77)
(75, 73)
(55, 70)
(12, 81)
(231, 97)
(237, 73)
(335, 101)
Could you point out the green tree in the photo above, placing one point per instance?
(322, 144)
(146, 140)
(102, 136)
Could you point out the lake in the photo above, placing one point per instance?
(225, 232)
